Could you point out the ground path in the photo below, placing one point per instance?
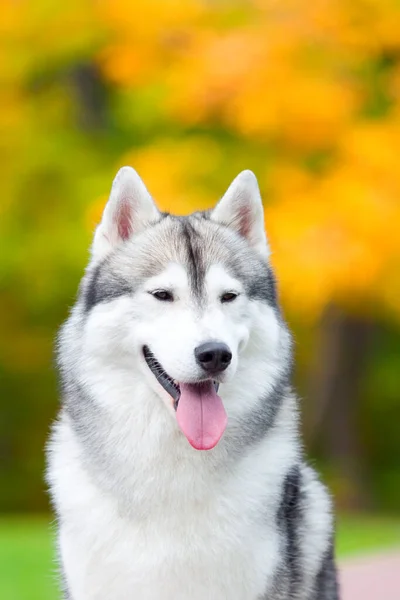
(371, 578)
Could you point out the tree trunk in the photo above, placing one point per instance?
(91, 97)
(335, 399)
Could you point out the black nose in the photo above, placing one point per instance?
(213, 357)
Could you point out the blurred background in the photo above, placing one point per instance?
(307, 95)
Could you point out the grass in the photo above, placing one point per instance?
(26, 554)
(366, 534)
(26, 560)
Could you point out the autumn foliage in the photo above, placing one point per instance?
(305, 93)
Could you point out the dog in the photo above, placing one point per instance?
(176, 467)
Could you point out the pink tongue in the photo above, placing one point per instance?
(201, 414)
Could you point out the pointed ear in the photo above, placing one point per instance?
(241, 209)
(128, 210)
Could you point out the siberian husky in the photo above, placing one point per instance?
(176, 467)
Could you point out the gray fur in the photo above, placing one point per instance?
(197, 243)
(255, 424)
(103, 285)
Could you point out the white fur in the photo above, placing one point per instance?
(151, 518)
(189, 533)
(183, 527)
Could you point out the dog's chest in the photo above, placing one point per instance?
(191, 539)
(198, 559)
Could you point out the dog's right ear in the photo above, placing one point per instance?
(129, 210)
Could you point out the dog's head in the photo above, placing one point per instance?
(189, 301)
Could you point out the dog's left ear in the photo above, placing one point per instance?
(241, 209)
(129, 210)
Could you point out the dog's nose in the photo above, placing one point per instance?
(213, 357)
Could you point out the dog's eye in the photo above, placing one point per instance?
(162, 295)
(228, 297)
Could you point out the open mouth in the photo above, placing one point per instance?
(170, 385)
(199, 410)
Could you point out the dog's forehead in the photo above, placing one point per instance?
(192, 242)
(196, 244)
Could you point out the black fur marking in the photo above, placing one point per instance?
(289, 515)
(258, 277)
(326, 583)
(103, 286)
(195, 263)
(90, 294)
